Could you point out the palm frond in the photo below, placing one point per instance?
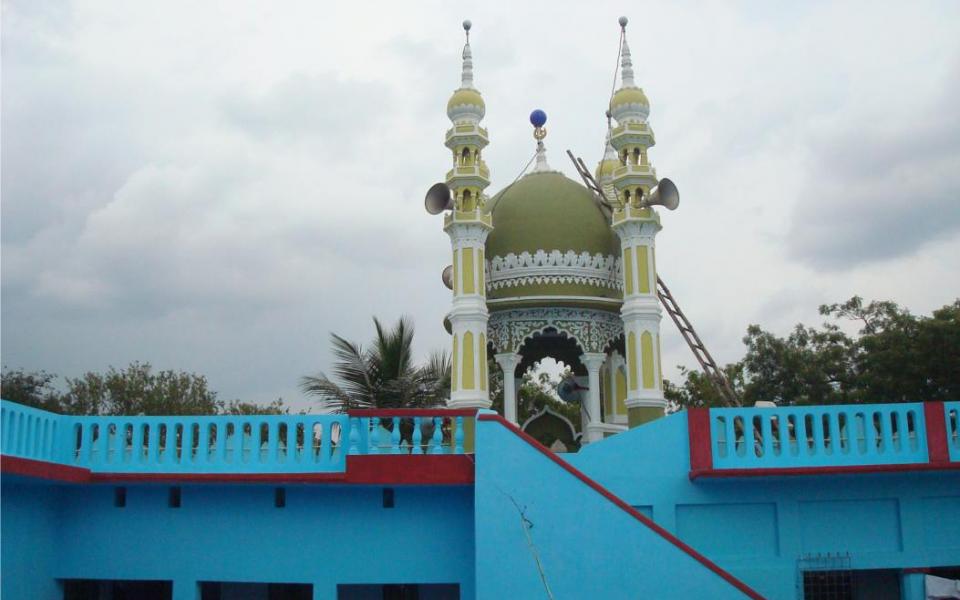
(382, 376)
(331, 396)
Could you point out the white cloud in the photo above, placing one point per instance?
(217, 186)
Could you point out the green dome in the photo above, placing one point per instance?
(549, 212)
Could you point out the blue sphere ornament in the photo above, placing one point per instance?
(538, 118)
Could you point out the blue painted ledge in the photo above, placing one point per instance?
(250, 444)
(794, 440)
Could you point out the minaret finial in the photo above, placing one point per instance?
(626, 65)
(466, 79)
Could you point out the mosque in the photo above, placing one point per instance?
(548, 268)
(811, 502)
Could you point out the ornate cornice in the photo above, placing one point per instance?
(592, 329)
(554, 267)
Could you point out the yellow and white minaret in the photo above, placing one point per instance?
(468, 225)
(637, 227)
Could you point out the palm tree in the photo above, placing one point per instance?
(382, 376)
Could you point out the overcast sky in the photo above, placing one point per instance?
(215, 187)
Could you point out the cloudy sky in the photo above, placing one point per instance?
(216, 186)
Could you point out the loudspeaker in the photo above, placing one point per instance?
(438, 199)
(665, 195)
(447, 277)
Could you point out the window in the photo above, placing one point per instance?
(224, 590)
(106, 589)
(847, 584)
(399, 591)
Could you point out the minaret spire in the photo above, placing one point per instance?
(626, 64)
(466, 77)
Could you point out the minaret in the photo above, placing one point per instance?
(468, 225)
(637, 227)
(605, 168)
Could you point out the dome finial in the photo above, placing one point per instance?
(538, 119)
(466, 77)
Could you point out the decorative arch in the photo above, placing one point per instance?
(592, 330)
(548, 426)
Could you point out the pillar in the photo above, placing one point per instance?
(637, 228)
(468, 319)
(593, 361)
(508, 362)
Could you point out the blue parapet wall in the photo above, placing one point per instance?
(764, 528)
(818, 436)
(261, 444)
(540, 526)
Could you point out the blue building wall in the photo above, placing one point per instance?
(759, 527)
(324, 536)
(28, 521)
(586, 545)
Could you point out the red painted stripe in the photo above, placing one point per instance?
(842, 470)
(27, 467)
(428, 469)
(698, 430)
(937, 449)
(399, 469)
(219, 477)
(412, 412)
(625, 507)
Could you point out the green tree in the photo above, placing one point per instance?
(894, 357)
(135, 390)
(235, 407)
(33, 389)
(900, 357)
(139, 390)
(696, 389)
(381, 376)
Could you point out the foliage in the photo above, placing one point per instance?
(381, 376)
(138, 390)
(534, 393)
(894, 357)
(135, 390)
(237, 408)
(30, 389)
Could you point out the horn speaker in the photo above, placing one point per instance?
(447, 277)
(665, 195)
(438, 199)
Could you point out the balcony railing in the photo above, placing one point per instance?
(225, 444)
(797, 439)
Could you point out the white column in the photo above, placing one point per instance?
(641, 313)
(593, 361)
(617, 362)
(508, 361)
(468, 317)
